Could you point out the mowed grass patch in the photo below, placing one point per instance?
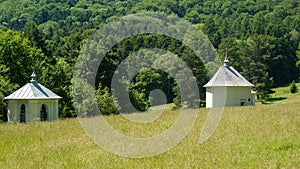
(265, 136)
(281, 94)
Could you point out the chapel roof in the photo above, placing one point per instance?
(227, 76)
(33, 90)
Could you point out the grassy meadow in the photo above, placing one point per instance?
(263, 136)
(280, 95)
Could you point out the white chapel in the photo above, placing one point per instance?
(32, 102)
(228, 88)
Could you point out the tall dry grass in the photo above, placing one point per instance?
(264, 136)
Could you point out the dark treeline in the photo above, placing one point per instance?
(261, 37)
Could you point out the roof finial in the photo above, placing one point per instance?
(33, 78)
(226, 61)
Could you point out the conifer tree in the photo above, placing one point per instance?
(293, 87)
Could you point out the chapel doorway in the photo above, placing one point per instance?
(23, 114)
(43, 113)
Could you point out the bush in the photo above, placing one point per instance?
(85, 105)
(106, 103)
(293, 87)
(139, 100)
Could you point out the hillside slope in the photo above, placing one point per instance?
(261, 38)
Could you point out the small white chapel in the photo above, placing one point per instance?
(32, 102)
(228, 88)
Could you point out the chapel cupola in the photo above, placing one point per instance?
(226, 61)
(33, 78)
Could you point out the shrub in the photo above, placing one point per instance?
(139, 100)
(84, 104)
(106, 103)
(293, 87)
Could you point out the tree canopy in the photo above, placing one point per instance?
(261, 36)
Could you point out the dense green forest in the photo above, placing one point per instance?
(261, 37)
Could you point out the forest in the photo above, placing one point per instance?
(261, 38)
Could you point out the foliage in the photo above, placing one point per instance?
(262, 39)
(85, 104)
(18, 58)
(293, 87)
(34, 36)
(256, 52)
(138, 100)
(144, 83)
(57, 77)
(107, 104)
(6, 87)
(17, 54)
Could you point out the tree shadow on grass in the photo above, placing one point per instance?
(273, 100)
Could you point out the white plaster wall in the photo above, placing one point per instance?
(209, 97)
(55, 110)
(33, 108)
(51, 107)
(32, 111)
(10, 111)
(15, 109)
(238, 94)
(219, 96)
(253, 99)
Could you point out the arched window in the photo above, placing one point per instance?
(43, 113)
(23, 114)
